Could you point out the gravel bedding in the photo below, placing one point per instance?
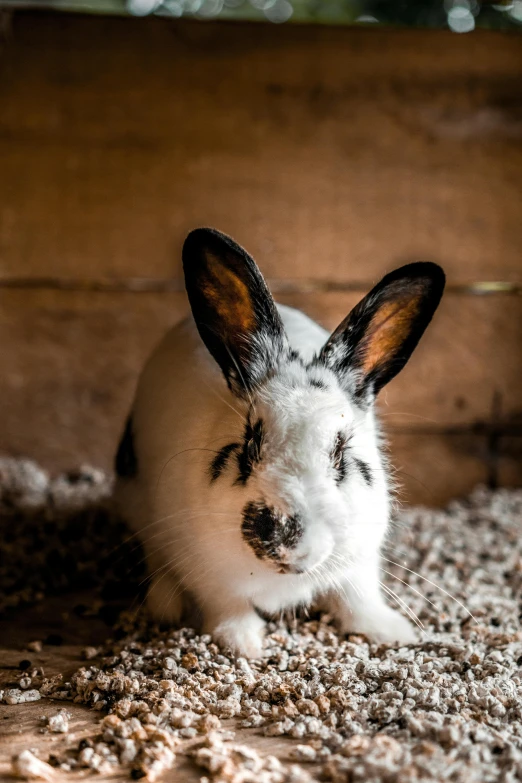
(446, 709)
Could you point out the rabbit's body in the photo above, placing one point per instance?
(256, 493)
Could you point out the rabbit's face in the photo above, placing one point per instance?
(310, 477)
(310, 467)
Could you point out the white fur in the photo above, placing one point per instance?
(191, 527)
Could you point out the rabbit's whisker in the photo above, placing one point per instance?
(434, 584)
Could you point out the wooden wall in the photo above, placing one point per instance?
(333, 155)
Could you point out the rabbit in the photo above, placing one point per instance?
(252, 464)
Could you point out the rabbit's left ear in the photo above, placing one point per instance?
(377, 338)
(233, 309)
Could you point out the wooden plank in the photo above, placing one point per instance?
(332, 154)
(509, 464)
(69, 365)
(70, 361)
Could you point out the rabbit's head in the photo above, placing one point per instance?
(305, 462)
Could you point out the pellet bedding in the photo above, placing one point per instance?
(448, 708)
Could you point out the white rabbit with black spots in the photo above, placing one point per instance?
(251, 464)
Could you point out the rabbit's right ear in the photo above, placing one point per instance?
(233, 309)
(378, 337)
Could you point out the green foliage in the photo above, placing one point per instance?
(461, 16)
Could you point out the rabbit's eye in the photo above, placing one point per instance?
(251, 450)
(255, 441)
(338, 456)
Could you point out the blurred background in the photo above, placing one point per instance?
(335, 140)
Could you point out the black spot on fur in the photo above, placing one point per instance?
(295, 356)
(126, 462)
(250, 452)
(318, 384)
(318, 361)
(338, 457)
(266, 531)
(364, 470)
(219, 463)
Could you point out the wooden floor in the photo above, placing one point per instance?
(20, 725)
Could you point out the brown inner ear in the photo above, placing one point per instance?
(229, 297)
(387, 331)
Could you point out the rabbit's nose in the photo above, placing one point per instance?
(284, 556)
(288, 569)
(287, 564)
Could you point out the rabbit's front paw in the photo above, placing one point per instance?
(390, 627)
(382, 625)
(243, 634)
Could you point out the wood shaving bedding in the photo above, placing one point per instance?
(447, 708)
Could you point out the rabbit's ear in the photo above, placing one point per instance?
(234, 311)
(377, 338)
